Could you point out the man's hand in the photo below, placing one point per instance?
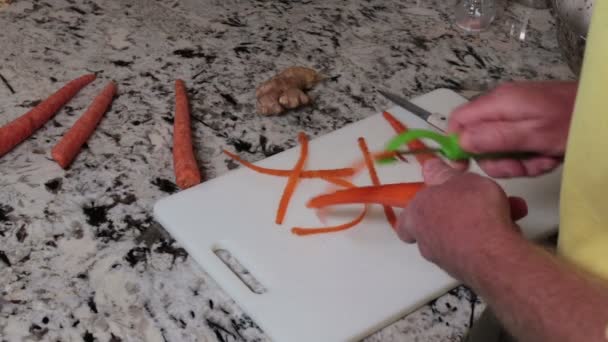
(459, 216)
(518, 117)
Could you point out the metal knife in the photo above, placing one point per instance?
(436, 120)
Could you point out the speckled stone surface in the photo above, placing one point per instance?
(80, 256)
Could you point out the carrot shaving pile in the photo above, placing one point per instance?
(387, 195)
(388, 211)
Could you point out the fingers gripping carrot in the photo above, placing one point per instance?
(68, 147)
(388, 211)
(23, 127)
(187, 173)
(399, 127)
(293, 179)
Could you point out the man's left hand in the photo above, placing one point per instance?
(457, 217)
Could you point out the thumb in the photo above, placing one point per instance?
(519, 208)
(436, 172)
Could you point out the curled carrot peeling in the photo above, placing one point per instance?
(323, 230)
(388, 211)
(310, 231)
(293, 179)
(344, 172)
(395, 195)
(399, 127)
(337, 181)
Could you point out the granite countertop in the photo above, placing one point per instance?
(80, 255)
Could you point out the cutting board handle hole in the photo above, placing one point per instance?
(239, 270)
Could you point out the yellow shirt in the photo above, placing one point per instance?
(584, 199)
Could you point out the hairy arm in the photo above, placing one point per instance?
(538, 296)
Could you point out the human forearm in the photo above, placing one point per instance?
(536, 295)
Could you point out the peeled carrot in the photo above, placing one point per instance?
(68, 147)
(395, 195)
(345, 172)
(399, 127)
(310, 231)
(187, 173)
(293, 179)
(16, 131)
(388, 211)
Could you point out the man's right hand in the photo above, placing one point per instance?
(518, 117)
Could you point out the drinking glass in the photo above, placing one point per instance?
(474, 15)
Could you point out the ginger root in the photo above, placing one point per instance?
(286, 90)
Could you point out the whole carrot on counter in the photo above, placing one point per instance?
(187, 173)
(16, 131)
(69, 146)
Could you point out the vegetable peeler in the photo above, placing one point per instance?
(449, 147)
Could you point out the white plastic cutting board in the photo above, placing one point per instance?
(335, 287)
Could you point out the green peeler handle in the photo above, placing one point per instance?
(450, 147)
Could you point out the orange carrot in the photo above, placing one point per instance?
(388, 211)
(186, 170)
(395, 195)
(16, 131)
(345, 172)
(399, 127)
(337, 181)
(68, 147)
(293, 179)
(310, 231)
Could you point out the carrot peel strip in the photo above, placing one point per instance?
(338, 181)
(293, 179)
(69, 146)
(388, 211)
(311, 231)
(332, 173)
(395, 195)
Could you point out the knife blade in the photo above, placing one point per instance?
(434, 119)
